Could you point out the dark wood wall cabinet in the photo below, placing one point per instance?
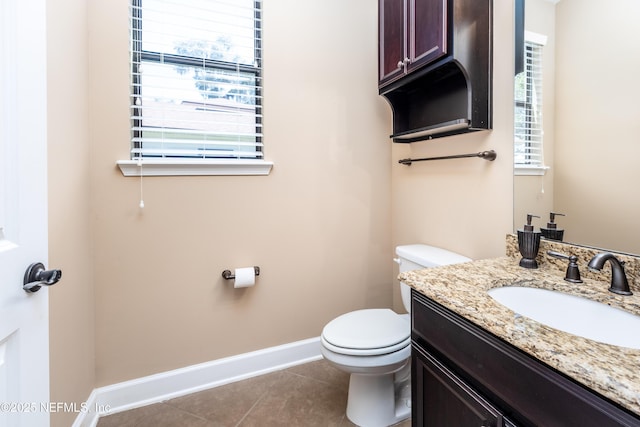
(464, 376)
(435, 62)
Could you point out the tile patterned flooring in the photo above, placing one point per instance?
(313, 394)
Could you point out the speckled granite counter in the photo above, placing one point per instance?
(609, 370)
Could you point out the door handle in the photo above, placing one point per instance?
(36, 277)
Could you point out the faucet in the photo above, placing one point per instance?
(619, 283)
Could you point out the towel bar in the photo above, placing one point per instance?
(487, 155)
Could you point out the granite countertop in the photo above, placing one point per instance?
(609, 370)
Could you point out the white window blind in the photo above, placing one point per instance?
(196, 79)
(528, 149)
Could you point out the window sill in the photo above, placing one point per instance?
(530, 170)
(195, 167)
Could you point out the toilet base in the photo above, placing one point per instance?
(379, 400)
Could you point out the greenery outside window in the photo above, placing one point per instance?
(196, 87)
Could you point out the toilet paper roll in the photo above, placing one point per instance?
(245, 277)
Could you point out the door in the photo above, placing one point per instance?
(441, 398)
(392, 40)
(412, 33)
(427, 32)
(24, 346)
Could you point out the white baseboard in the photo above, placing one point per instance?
(179, 382)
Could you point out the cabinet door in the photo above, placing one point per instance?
(392, 39)
(441, 398)
(427, 32)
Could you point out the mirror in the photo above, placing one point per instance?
(591, 123)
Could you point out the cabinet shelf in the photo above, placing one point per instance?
(439, 129)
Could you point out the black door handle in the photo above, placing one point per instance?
(36, 277)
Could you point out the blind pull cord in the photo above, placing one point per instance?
(141, 194)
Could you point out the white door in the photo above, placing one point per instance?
(24, 319)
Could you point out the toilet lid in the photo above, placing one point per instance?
(367, 329)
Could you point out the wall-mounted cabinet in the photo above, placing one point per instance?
(435, 66)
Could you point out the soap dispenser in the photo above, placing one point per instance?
(529, 243)
(552, 232)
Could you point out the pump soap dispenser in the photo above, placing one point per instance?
(529, 243)
(552, 232)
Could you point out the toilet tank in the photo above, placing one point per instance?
(416, 257)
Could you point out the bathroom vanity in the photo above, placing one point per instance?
(476, 362)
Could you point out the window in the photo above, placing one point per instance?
(528, 149)
(196, 85)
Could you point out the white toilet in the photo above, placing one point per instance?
(374, 346)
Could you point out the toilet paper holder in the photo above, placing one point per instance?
(228, 275)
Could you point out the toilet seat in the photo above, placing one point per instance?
(368, 332)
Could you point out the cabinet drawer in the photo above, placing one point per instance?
(527, 391)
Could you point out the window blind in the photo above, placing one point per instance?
(528, 109)
(196, 79)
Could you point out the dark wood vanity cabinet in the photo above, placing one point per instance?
(464, 376)
(412, 34)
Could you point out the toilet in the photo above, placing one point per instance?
(374, 346)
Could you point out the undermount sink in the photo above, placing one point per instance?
(575, 315)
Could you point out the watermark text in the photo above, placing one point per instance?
(52, 407)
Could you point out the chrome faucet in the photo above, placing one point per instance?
(619, 283)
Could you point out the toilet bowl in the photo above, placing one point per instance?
(374, 347)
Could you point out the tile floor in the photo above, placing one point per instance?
(313, 394)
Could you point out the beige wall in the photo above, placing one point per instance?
(598, 126)
(72, 327)
(464, 205)
(318, 225)
(322, 226)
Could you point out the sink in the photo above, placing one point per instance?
(575, 315)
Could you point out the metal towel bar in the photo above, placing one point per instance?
(487, 155)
